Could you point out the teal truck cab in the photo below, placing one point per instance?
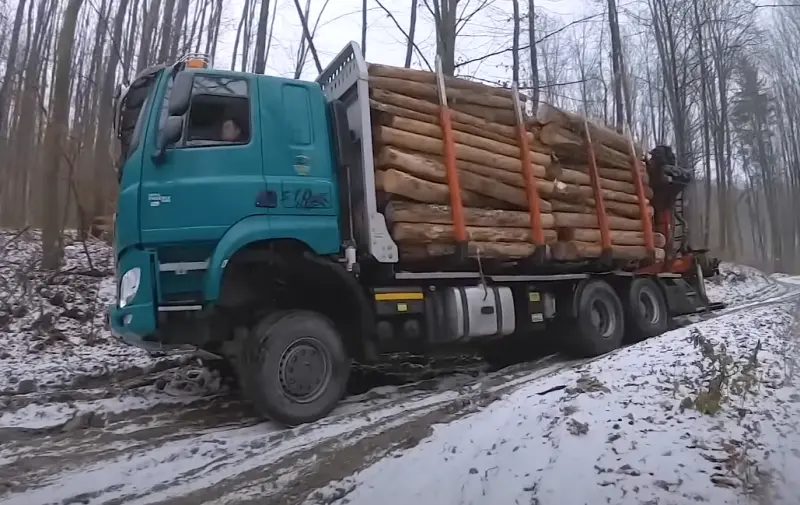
(248, 227)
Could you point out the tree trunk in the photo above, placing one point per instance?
(166, 36)
(150, 24)
(412, 28)
(259, 59)
(11, 69)
(534, 55)
(57, 128)
(616, 63)
(364, 28)
(103, 162)
(515, 44)
(309, 38)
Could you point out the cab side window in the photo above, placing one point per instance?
(219, 112)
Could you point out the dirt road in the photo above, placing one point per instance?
(133, 443)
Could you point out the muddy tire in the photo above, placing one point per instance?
(294, 367)
(646, 313)
(600, 324)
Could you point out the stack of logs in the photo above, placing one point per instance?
(411, 177)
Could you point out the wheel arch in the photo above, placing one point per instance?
(329, 289)
(256, 231)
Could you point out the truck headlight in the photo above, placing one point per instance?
(128, 286)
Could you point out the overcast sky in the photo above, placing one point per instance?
(341, 22)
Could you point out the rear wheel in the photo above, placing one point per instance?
(600, 326)
(646, 312)
(294, 367)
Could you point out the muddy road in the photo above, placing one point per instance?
(137, 442)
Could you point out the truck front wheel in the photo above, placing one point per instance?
(600, 326)
(294, 367)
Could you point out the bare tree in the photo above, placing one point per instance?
(308, 34)
(515, 43)
(616, 62)
(412, 28)
(57, 128)
(11, 68)
(364, 27)
(444, 19)
(260, 61)
(533, 54)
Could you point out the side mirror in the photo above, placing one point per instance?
(181, 93)
(171, 133)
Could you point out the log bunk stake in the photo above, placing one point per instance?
(541, 250)
(599, 199)
(644, 214)
(449, 152)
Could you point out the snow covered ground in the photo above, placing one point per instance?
(739, 284)
(701, 414)
(52, 333)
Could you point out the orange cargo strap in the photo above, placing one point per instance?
(594, 180)
(453, 185)
(531, 190)
(647, 223)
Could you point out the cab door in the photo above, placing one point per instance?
(204, 184)
(298, 163)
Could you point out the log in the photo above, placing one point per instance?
(578, 220)
(383, 112)
(405, 185)
(614, 174)
(493, 115)
(489, 250)
(459, 137)
(630, 210)
(609, 195)
(430, 145)
(383, 109)
(569, 147)
(612, 208)
(409, 212)
(411, 74)
(432, 109)
(430, 92)
(582, 178)
(600, 133)
(429, 233)
(574, 250)
(618, 237)
(513, 178)
(434, 171)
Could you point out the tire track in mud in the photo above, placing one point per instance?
(213, 450)
(180, 454)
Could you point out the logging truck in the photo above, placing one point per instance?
(290, 227)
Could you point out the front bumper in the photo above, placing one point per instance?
(133, 324)
(137, 321)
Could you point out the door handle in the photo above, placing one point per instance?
(267, 199)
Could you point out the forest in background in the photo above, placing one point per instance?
(718, 80)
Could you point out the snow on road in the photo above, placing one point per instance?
(85, 419)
